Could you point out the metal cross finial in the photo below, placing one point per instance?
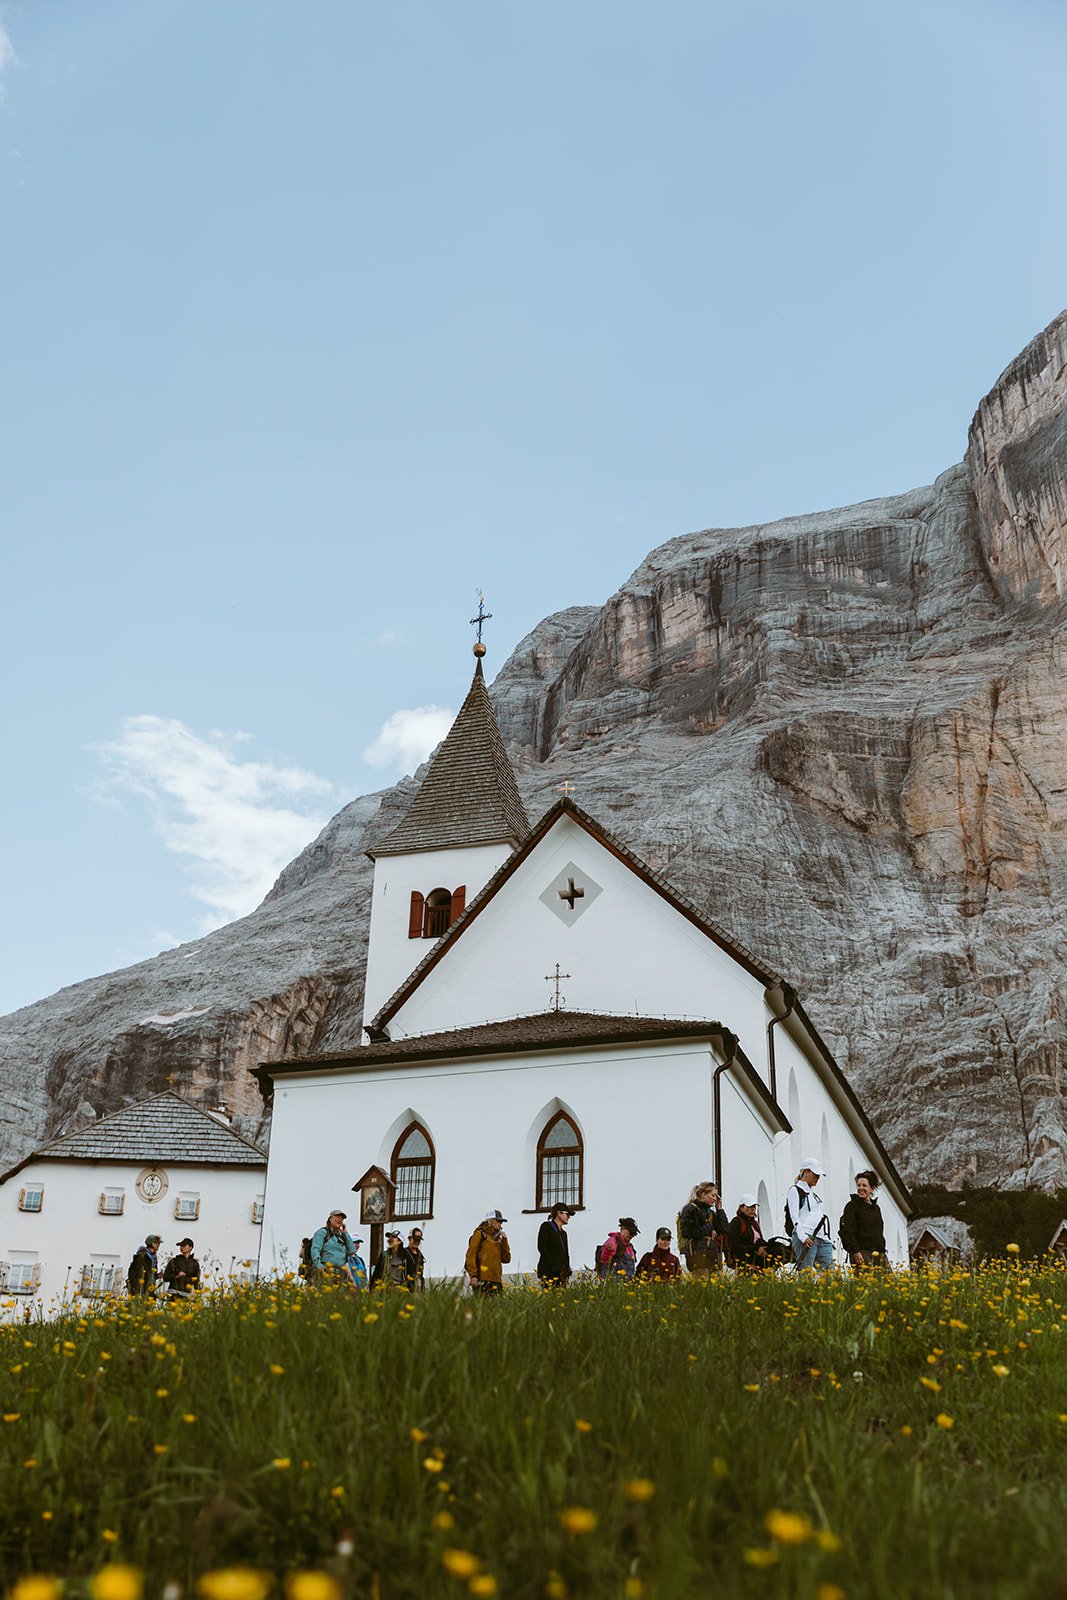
(556, 977)
(170, 1079)
(565, 788)
(483, 615)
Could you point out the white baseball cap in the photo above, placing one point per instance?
(748, 1200)
(813, 1166)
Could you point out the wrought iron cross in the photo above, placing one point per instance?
(483, 615)
(556, 978)
(566, 787)
(571, 894)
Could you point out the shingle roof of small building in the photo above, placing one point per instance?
(165, 1128)
(469, 796)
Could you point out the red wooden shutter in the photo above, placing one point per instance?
(415, 915)
(459, 900)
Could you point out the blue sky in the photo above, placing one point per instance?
(319, 316)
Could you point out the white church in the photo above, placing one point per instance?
(549, 1021)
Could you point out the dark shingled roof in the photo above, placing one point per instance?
(163, 1129)
(546, 1030)
(469, 796)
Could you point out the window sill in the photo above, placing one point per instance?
(542, 1211)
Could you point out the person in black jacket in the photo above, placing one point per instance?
(182, 1272)
(141, 1277)
(745, 1242)
(702, 1228)
(553, 1250)
(861, 1227)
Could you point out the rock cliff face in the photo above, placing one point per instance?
(844, 734)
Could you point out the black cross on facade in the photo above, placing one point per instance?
(571, 894)
(483, 615)
(556, 978)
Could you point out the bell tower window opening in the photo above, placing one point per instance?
(560, 1157)
(438, 913)
(429, 916)
(412, 1171)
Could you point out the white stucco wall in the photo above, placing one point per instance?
(645, 1114)
(628, 951)
(391, 955)
(69, 1231)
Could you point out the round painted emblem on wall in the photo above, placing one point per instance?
(151, 1184)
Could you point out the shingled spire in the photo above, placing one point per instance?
(469, 796)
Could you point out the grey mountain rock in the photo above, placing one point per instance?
(843, 735)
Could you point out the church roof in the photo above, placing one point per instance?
(743, 956)
(546, 1030)
(469, 796)
(163, 1129)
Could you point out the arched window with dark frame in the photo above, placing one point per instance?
(559, 1163)
(412, 1172)
(431, 915)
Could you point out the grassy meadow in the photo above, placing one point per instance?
(828, 1436)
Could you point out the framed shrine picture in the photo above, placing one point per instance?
(374, 1203)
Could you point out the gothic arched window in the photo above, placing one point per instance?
(412, 1172)
(559, 1163)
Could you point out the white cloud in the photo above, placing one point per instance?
(7, 55)
(237, 822)
(407, 737)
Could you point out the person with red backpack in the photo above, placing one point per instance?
(617, 1257)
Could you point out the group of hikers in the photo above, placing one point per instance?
(707, 1239)
(180, 1277)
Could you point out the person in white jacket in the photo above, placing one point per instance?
(809, 1225)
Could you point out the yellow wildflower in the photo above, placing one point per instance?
(931, 1383)
(443, 1521)
(372, 1316)
(337, 1492)
(312, 1586)
(108, 1535)
(38, 1586)
(418, 1435)
(160, 1449)
(787, 1527)
(633, 1588)
(12, 1416)
(460, 1563)
(1001, 1372)
(234, 1583)
(829, 1591)
(1012, 1249)
(943, 1420)
(276, 1369)
(432, 1464)
(281, 1463)
(578, 1519)
(583, 1426)
(639, 1489)
(116, 1582)
(827, 1541)
(482, 1584)
(758, 1557)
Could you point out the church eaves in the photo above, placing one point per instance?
(469, 796)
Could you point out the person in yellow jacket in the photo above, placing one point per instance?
(487, 1255)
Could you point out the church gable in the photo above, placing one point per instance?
(572, 903)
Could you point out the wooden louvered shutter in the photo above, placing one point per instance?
(459, 900)
(415, 915)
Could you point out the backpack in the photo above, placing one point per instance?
(306, 1269)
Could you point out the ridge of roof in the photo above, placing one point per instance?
(139, 1131)
(470, 795)
(567, 807)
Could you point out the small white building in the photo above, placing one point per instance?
(549, 1020)
(73, 1213)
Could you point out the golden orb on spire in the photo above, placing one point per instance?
(479, 649)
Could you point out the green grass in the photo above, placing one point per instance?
(162, 1437)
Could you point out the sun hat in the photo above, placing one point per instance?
(748, 1200)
